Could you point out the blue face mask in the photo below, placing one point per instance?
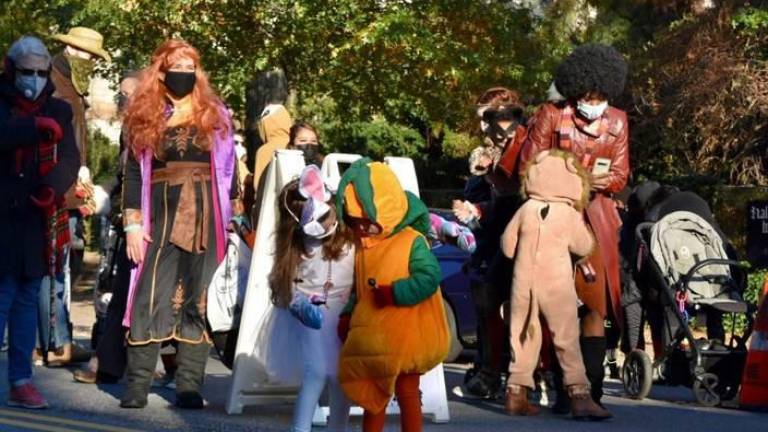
(591, 112)
(30, 86)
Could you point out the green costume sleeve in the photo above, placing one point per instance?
(350, 306)
(425, 276)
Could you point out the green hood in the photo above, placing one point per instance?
(371, 190)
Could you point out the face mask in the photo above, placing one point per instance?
(180, 84)
(315, 230)
(311, 153)
(82, 70)
(30, 86)
(591, 112)
(498, 134)
(490, 119)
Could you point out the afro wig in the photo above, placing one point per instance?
(592, 68)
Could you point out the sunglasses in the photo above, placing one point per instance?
(30, 72)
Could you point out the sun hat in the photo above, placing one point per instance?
(85, 39)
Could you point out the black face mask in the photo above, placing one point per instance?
(311, 153)
(180, 84)
(496, 133)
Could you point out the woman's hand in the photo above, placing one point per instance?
(135, 245)
(599, 182)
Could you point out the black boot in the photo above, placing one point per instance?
(593, 352)
(140, 368)
(562, 404)
(191, 361)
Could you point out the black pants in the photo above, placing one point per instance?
(488, 296)
(110, 349)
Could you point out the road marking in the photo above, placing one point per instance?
(40, 418)
(33, 426)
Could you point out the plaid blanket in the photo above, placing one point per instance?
(57, 234)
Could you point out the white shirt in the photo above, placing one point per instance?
(313, 272)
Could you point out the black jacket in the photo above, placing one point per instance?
(22, 225)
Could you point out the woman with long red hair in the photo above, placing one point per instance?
(180, 193)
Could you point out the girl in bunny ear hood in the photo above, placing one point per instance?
(310, 284)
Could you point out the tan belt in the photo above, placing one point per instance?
(189, 232)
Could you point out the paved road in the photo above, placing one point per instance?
(89, 408)
(79, 407)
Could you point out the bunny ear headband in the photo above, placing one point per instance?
(312, 187)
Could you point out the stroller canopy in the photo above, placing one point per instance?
(679, 241)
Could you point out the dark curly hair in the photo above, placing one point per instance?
(592, 68)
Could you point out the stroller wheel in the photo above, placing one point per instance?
(705, 390)
(637, 374)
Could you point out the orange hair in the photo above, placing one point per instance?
(145, 116)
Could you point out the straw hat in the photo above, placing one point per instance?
(85, 39)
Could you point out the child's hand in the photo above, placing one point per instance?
(309, 314)
(465, 211)
(342, 329)
(384, 295)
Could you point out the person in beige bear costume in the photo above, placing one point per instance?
(542, 236)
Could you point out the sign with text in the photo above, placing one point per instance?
(757, 233)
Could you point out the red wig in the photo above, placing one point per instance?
(145, 116)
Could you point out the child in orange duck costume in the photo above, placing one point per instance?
(541, 237)
(394, 326)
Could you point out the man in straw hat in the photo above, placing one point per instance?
(71, 72)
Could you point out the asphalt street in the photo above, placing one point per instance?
(81, 407)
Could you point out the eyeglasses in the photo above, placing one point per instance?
(30, 72)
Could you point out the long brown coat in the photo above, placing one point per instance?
(65, 90)
(612, 142)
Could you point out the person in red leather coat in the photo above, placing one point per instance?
(586, 124)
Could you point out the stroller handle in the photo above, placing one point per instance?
(685, 280)
(640, 230)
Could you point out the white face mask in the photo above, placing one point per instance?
(592, 112)
(311, 213)
(315, 230)
(30, 86)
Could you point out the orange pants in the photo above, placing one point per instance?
(409, 400)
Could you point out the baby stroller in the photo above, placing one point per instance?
(683, 270)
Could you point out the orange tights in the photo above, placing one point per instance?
(409, 400)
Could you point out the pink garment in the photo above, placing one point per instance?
(222, 170)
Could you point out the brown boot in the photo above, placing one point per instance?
(85, 376)
(517, 402)
(583, 407)
(61, 357)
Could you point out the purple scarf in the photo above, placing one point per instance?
(222, 171)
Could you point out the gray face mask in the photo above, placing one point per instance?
(30, 86)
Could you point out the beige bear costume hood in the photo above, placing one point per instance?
(555, 176)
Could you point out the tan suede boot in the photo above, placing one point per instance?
(583, 407)
(517, 402)
(61, 356)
